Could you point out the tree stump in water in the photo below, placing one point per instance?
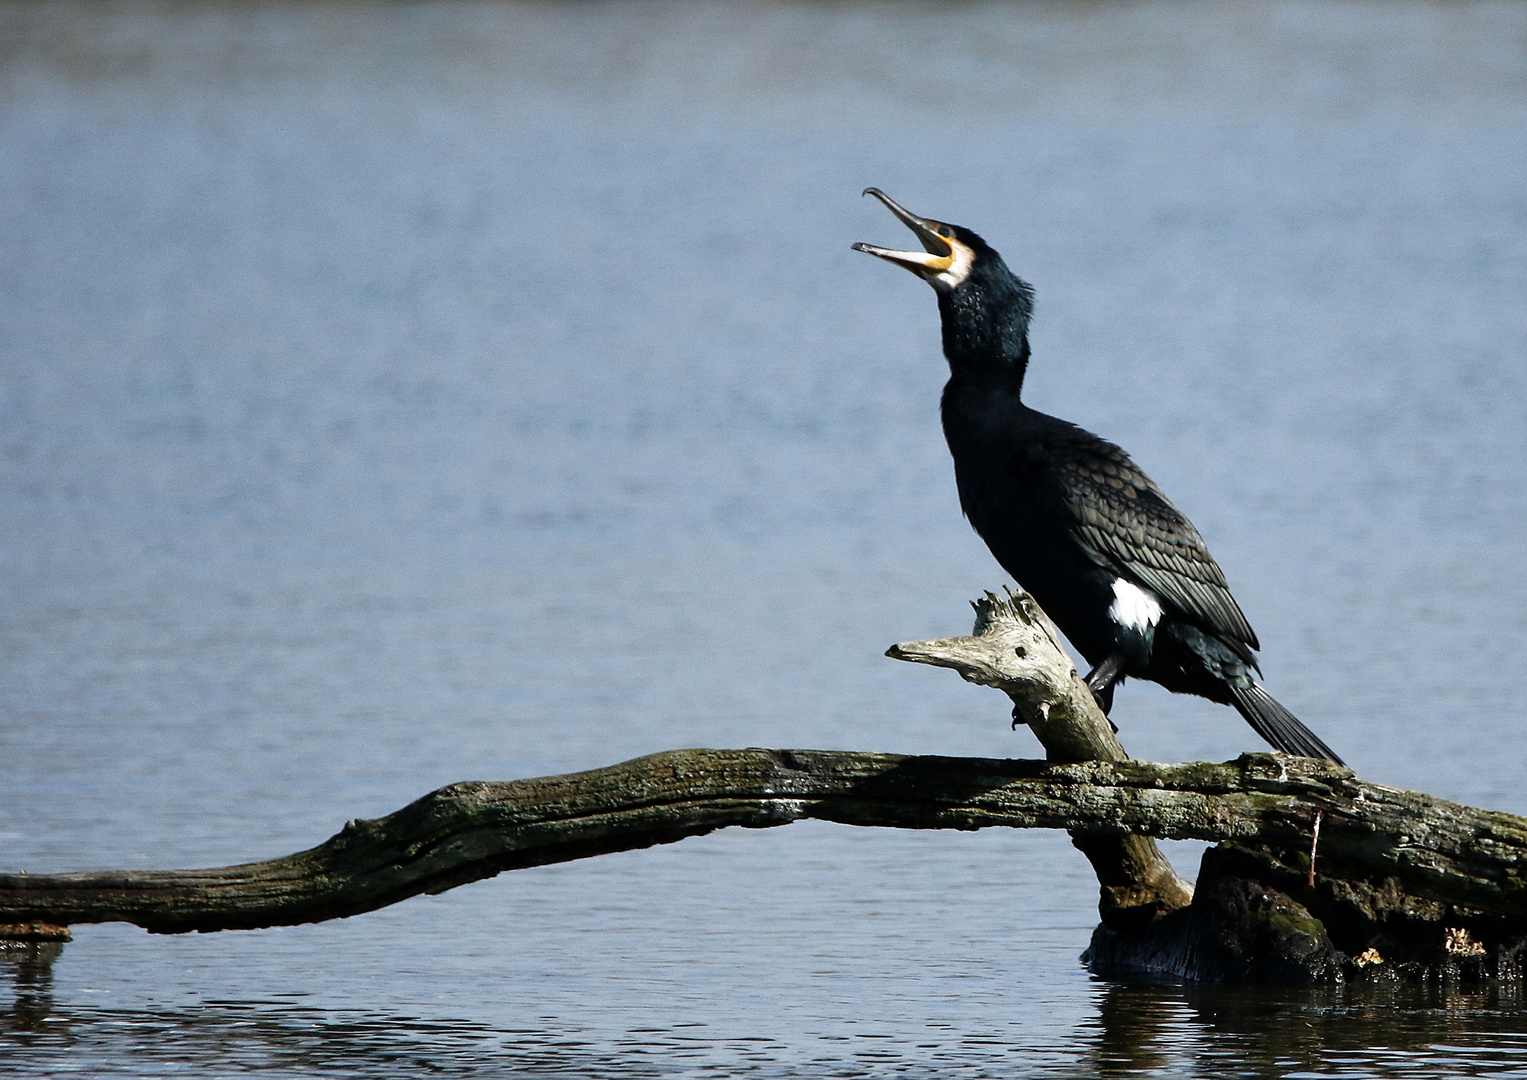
(1261, 912)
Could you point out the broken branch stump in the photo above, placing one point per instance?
(1016, 648)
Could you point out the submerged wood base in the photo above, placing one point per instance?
(1256, 919)
(34, 931)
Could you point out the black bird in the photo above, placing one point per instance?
(1122, 572)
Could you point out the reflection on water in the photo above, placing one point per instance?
(1133, 1031)
(1154, 1030)
(392, 395)
(30, 967)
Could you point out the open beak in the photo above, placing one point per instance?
(937, 254)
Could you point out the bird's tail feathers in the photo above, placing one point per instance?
(1277, 725)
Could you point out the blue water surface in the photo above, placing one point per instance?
(392, 395)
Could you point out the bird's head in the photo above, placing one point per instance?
(950, 253)
(984, 306)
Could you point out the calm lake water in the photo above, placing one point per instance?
(401, 394)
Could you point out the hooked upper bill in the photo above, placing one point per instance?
(944, 260)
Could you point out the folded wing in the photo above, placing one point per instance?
(1122, 521)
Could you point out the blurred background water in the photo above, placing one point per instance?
(399, 394)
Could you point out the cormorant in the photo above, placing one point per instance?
(1122, 572)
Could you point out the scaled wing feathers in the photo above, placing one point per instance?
(1120, 518)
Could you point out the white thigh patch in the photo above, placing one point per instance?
(1134, 607)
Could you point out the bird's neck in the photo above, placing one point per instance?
(986, 332)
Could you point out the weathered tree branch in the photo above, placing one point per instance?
(469, 831)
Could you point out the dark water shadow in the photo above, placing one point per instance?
(1138, 1030)
(1255, 1032)
(29, 967)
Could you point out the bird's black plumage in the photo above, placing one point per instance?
(1122, 571)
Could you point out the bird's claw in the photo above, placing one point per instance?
(1103, 700)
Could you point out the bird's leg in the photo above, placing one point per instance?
(1101, 679)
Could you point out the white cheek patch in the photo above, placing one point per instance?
(959, 269)
(1134, 607)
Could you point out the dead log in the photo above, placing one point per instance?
(1452, 854)
(469, 831)
(1405, 883)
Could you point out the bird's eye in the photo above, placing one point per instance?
(945, 232)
